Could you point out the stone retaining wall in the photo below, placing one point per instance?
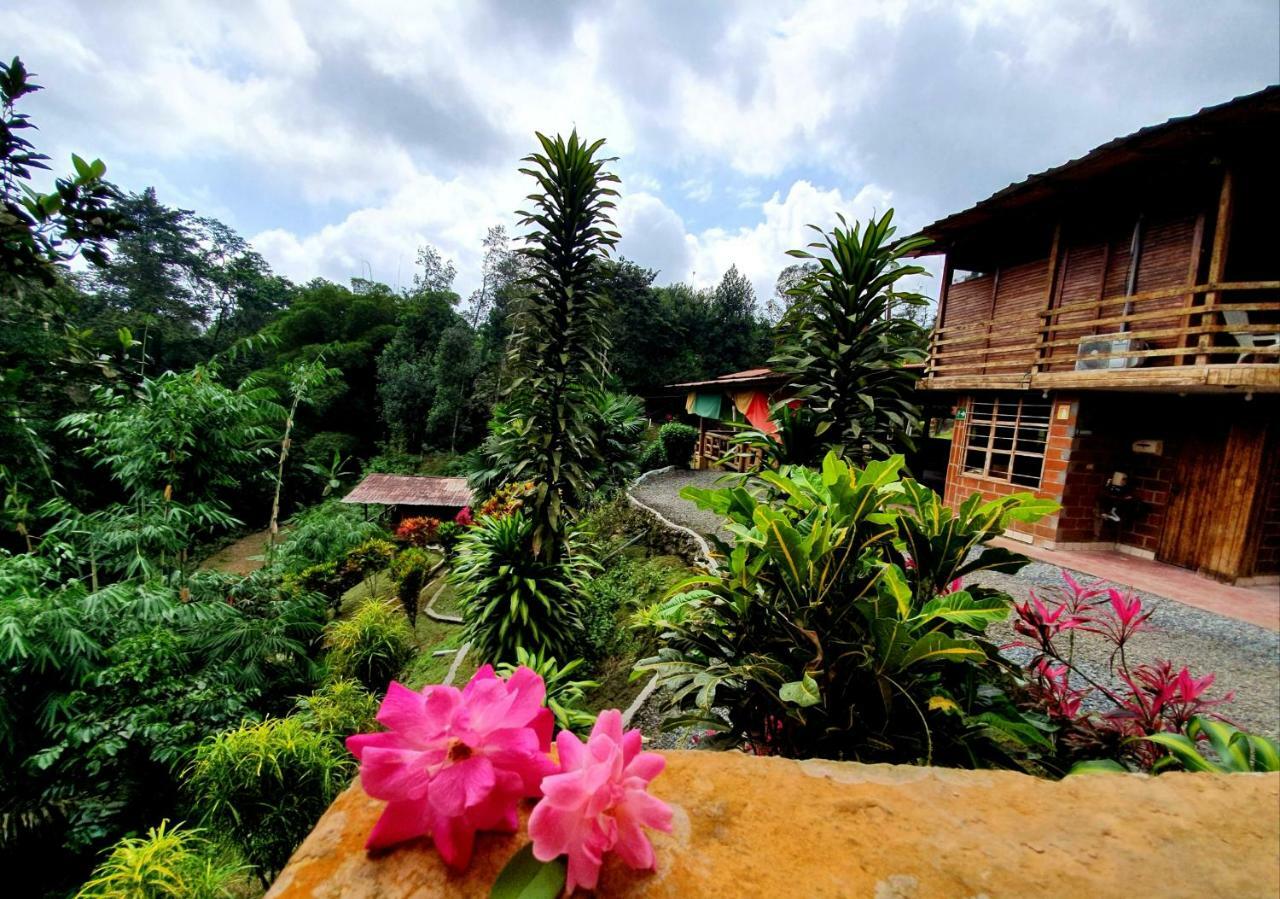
(768, 827)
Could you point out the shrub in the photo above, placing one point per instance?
(836, 626)
(677, 441)
(370, 646)
(419, 530)
(340, 708)
(323, 533)
(506, 500)
(1149, 715)
(367, 560)
(170, 861)
(624, 585)
(513, 600)
(410, 570)
(653, 456)
(329, 579)
(564, 696)
(448, 535)
(264, 785)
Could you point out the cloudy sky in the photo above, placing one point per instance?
(339, 136)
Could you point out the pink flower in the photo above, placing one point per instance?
(598, 802)
(1061, 700)
(464, 517)
(456, 761)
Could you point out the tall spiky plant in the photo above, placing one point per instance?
(559, 338)
(845, 349)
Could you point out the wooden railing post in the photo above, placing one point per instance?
(1217, 262)
(1046, 319)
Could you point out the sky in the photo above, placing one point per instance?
(340, 136)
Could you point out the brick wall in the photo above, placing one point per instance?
(1052, 482)
(1094, 440)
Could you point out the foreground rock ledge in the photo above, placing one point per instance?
(747, 826)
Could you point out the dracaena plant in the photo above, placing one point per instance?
(842, 345)
(559, 338)
(820, 635)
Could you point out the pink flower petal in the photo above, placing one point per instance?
(460, 785)
(401, 820)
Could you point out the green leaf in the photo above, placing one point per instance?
(893, 583)
(803, 693)
(1184, 750)
(1098, 766)
(961, 608)
(936, 647)
(524, 877)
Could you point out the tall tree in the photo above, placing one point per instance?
(844, 351)
(559, 337)
(739, 339)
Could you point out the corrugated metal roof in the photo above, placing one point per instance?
(411, 490)
(1174, 134)
(737, 377)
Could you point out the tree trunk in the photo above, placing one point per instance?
(275, 500)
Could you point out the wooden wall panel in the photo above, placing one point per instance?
(1080, 281)
(968, 302)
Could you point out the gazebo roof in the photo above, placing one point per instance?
(736, 378)
(410, 490)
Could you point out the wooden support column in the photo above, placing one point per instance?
(1217, 260)
(1046, 320)
(1193, 278)
(948, 271)
(991, 315)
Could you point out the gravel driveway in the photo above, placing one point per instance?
(1244, 658)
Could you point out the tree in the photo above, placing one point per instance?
(437, 272)
(559, 337)
(788, 279)
(453, 371)
(843, 350)
(40, 233)
(740, 340)
(305, 380)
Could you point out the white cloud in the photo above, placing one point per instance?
(388, 123)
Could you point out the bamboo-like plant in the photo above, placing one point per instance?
(172, 860)
(559, 337)
(843, 346)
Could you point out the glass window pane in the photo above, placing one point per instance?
(999, 465)
(1026, 470)
(974, 460)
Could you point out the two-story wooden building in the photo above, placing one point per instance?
(1110, 332)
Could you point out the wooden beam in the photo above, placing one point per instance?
(1193, 272)
(991, 316)
(1218, 258)
(1046, 328)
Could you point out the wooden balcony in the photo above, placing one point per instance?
(714, 450)
(1206, 336)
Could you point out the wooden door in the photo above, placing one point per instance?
(1212, 500)
(1192, 503)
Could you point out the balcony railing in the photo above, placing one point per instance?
(1137, 337)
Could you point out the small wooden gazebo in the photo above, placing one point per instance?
(410, 495)
(740, 396)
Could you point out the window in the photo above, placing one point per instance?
(1006, 439)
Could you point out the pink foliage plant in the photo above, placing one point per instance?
(1154, 698)
(453, 762)
(599, 802)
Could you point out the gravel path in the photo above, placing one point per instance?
(662, 492)
(1244, 657)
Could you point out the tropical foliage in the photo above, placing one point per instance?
(514, 600)
(171, 862)
(838, 626)
(264, 784)
(844, 347)
(371, 645)
(558, 342)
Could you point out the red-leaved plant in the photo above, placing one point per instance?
(1154, 697)
(419, 530)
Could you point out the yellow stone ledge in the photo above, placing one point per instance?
(768, 827)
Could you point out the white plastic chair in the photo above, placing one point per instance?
(1237, 318)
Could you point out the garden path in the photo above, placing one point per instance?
(1244, 657)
